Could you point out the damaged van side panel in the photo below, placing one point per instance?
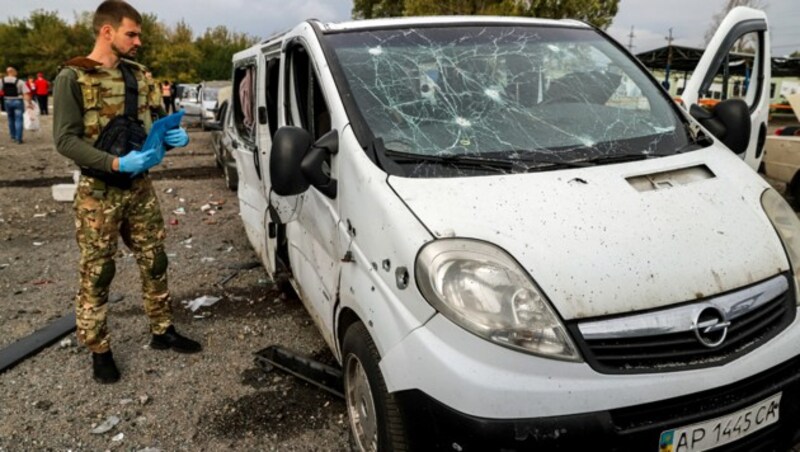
(373, 230)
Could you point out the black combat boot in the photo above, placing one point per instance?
(171, 339)
(105, 369)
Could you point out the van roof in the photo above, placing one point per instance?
(409, 22)
(401, 22)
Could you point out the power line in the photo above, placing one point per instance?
(630, 40)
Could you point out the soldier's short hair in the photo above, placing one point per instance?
(111, 12)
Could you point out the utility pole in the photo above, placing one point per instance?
(669, 59)
(630, 40)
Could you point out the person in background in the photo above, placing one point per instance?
(115, 196)
(172, 94)
(42, 92)
(166, 95)
(31, 85)
(16, 98)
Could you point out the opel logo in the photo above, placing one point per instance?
(711, 327)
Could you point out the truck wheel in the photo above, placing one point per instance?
(375, 421)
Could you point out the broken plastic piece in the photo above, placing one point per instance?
(197, 303)
(106, 426)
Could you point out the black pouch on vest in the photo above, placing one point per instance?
(121, 135)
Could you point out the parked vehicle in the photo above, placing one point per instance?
(207, 100)
(511, 238)
(221, 138)
(187, 99)
(782, 154)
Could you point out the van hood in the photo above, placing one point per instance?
(615, 238)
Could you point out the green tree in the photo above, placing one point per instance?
(795, 54)
(45, 44)
(370, 9)
(597, 12)
(179, 58)
(155, 39)
(217, 46)
(43, 41)
(13, 36)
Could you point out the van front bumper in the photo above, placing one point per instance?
(434, 426)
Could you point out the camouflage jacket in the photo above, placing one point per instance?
(103, 91)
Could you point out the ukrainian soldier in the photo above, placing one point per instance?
(102, 113)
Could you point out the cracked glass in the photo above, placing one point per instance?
(458, 100)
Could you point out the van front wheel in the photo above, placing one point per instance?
(375, 421)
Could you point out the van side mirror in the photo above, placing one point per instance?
(289, 146)
(729, 121)
(295, 163)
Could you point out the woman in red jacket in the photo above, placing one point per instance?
(42, 91)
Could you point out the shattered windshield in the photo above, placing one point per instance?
(524, 94)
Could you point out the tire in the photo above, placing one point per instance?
(360, 365)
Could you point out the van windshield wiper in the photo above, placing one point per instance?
(457, 160)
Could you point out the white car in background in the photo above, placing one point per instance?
(187, 99)
(207, 99)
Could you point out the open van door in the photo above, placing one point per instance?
(280, 210)
(736, 64)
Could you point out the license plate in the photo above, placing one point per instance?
(722, 430)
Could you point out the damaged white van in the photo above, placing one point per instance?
(512, 238)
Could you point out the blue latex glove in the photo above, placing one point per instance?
(176, 138)
(136, 162)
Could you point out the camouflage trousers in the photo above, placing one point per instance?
(102, 215)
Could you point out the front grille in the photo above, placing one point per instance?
(712, 403)
(682, 349)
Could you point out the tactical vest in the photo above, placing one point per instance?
(10, 89)
(103, 92)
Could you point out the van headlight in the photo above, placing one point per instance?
(786, 223)
(484, 290)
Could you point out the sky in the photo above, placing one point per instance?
(651, 19)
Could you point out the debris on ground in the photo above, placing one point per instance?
(179, 211)
(64, 192)
(106, 426)
(204, 301)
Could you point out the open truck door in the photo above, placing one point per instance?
(735, 65)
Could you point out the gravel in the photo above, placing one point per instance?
(165, 401)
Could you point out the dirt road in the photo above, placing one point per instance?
(166, 401)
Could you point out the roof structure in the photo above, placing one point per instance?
(686, 58)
